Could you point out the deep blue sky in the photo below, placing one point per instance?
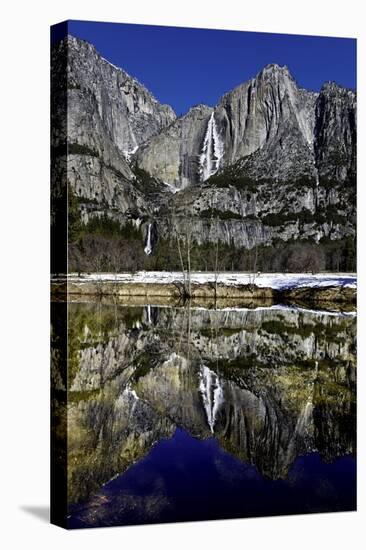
(184, 67)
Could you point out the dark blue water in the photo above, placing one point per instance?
(186, 479)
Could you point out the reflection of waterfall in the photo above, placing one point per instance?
(212, 394)
(148, 248)
(212, 151)
(131, 397)
(305, 420)
(149, 314)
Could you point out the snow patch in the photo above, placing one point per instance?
(278, 281)
(171, 187)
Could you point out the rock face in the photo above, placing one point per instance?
(335, 133)
(251, 217)
(270, 162)
(274, 128)
(109, 115)
(174, 154)
(128, 111)
(267, 111)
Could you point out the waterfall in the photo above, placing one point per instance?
(132, 398)
(148, 248)
(212, 151)
(129, 152)
(212, 394)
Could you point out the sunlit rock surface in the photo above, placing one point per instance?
(271, 162)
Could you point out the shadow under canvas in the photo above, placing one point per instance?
(40, 512)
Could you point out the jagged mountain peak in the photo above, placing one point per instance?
(275, 69)
(333, 88)
(272, 71)
(276, 148)
(199, 107)
(84, 47)
(197, 110)
(117, 102)
(268, 116)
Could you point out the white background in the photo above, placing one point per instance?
(24, 310)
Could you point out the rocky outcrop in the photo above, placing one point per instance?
(335, 133)
(268, 109)
(276, 129)
(260, 114)
(109, 115)
(128, 112)
(277, 150)
(174, 155)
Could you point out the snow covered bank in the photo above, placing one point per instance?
(276, 281)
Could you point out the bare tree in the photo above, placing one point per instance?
(97, 264)
(215, 226)
(306, 258)
(188, 238)
(184, 246)
(216, 263)
(253, 261)
(115, 261)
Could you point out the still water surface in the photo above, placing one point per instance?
(181, 414)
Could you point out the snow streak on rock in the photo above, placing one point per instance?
(212, 151)
(212, 394)
(171, 187)
(129, 153)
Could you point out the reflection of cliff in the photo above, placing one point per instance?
(265, 416)
(103, 340)
(268, 384)
(107, 432)
(281, 413)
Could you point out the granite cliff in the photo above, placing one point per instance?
(271, 165)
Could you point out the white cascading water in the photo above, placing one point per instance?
(132, 398)
(212, 151)
(212, 394)
(129, 152)
(148, 248)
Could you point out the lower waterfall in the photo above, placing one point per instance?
(148, 247)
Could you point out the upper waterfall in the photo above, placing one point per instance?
(212, 394)
(212, 151)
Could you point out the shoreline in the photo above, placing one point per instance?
(298, 289)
